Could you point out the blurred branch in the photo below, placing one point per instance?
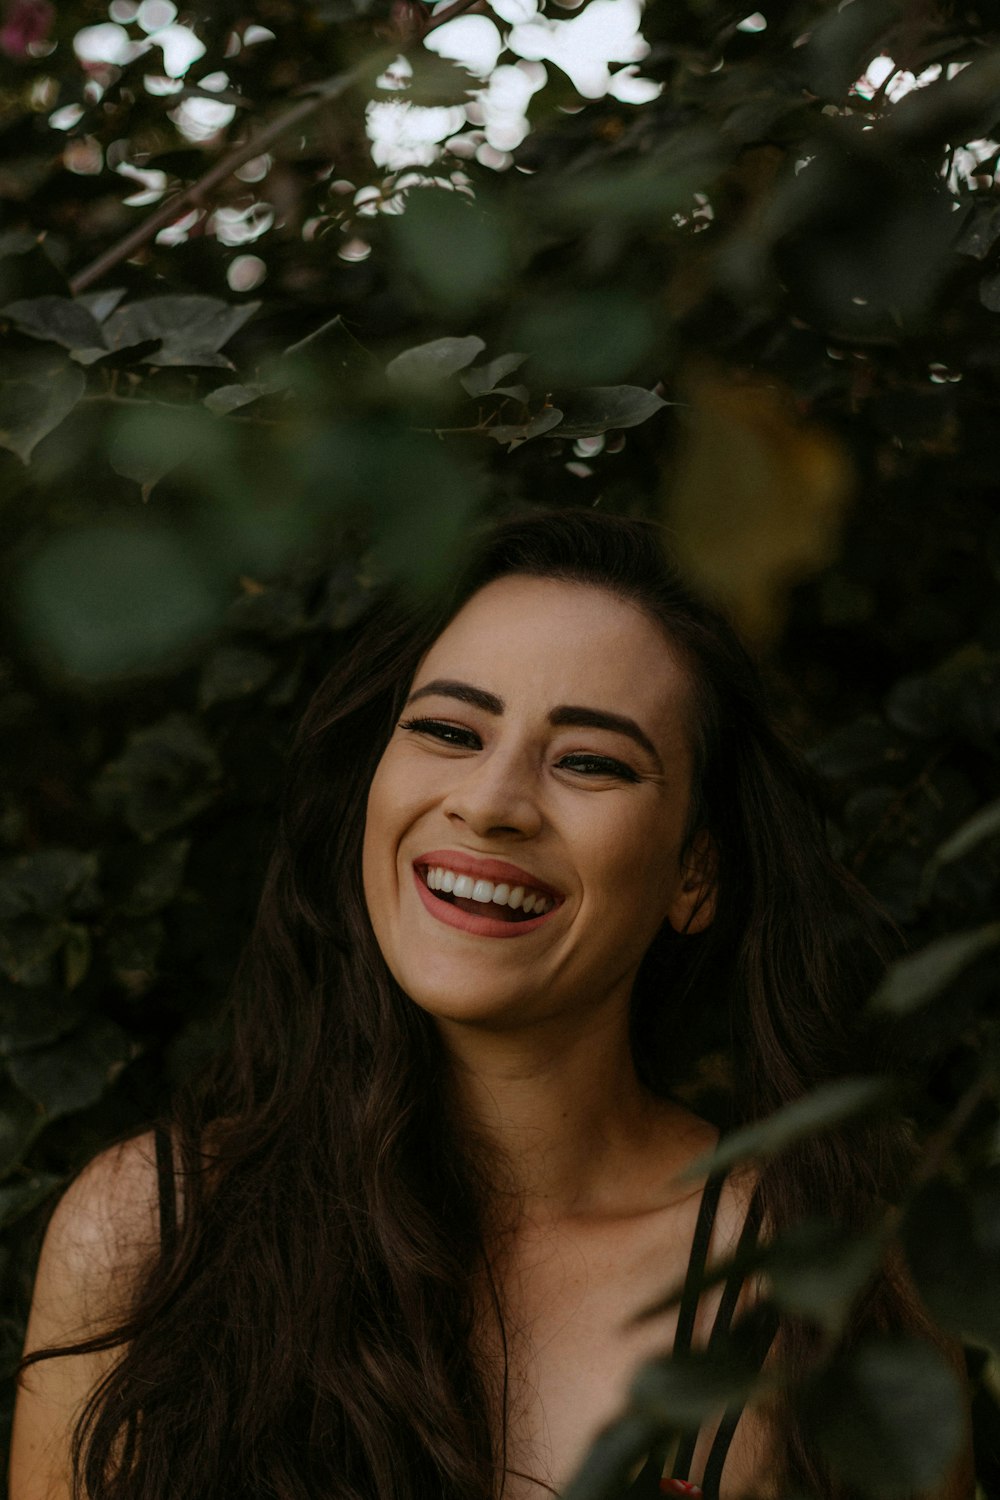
(256, 145)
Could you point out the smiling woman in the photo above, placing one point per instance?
(393, 1245)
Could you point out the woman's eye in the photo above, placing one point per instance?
(599, 765)
(438, 729)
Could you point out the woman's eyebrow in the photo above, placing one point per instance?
(566, 714)
(444, 687)
(599, 718)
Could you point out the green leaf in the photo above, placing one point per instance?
(74, 1073)
(914, 980)
(146, 879)
(989, 292)
(234, 672)
(274, 612)
(28, 946)
(429, 364)
(830, 1105)
(890, 1417)
(653, 189)
(164, 777)
(35, 1021)
(61, 320)
(133, 950)
(605, 1471)
(454, 250)
(37, 392)
(867, 744)
(817, 1269)
(48, 883)
(604, 407)
(956, 1274)
(21, 1122)
(842, 43)
(111, 599)
(681, 1392)
(516, 433)
(155, 438)
(19, 1198)
(330, 351)
(482, 379)
(191, 329)
(103, 303)
(581, 339)
(982, 825)
(227, 398)
(980, 232)
(76, 953)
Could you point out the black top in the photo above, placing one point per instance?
(646, 1485)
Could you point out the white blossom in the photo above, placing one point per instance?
(473, 41)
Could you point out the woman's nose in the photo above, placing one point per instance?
(496, 794)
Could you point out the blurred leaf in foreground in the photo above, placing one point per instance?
(890, 1417)
(108, 599)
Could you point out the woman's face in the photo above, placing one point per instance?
(525, 824)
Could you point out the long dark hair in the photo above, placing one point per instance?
(310, 1336)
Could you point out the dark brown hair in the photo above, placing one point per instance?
(310, 1336)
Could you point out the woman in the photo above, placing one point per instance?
(525, 842)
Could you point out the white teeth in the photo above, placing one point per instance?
(518, 897)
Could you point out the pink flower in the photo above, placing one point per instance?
(25, 23)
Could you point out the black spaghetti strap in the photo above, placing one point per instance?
(720, 1327)
(727, 1427)
(647, 1482)
(165, 1183)
(696, 1262)
(735, 1280)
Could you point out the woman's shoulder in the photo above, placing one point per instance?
(102, 1232)
(101, 1237)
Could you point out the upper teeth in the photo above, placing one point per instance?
(501, 894)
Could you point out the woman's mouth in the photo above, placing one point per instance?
(498, 908)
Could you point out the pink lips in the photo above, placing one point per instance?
(481, 869)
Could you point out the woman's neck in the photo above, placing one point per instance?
(566, 1112)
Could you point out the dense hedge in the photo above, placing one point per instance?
(762, 305)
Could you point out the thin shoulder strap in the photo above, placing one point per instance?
(765, 1334)
(165, 1183)
(720, 1328)
(735, 1280)
(649, 1478)
(696, 1262)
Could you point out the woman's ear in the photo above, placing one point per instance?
(694, 905)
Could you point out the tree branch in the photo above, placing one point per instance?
(196, 193)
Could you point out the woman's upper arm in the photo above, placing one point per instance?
(100, 1238)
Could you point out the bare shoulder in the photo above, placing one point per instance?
(102, 1234)
(99, 1241)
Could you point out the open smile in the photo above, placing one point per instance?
(486, 897)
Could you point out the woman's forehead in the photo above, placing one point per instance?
(528, 638)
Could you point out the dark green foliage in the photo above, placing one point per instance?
(763, 306)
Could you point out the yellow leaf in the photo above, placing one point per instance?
(756, 500)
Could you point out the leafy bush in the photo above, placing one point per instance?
(757, 302)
